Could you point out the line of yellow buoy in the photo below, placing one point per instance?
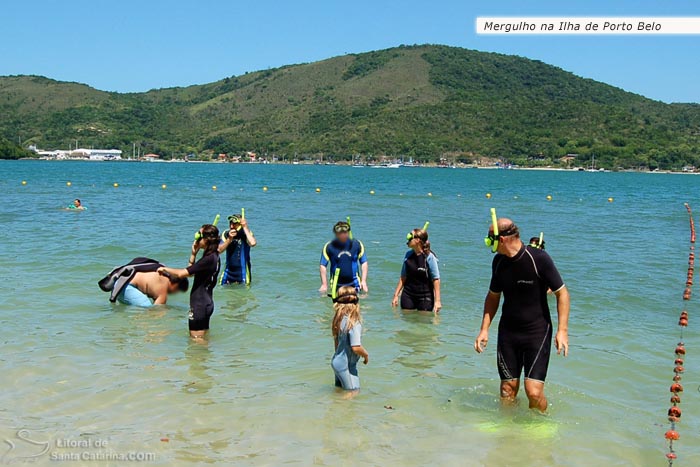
(318, 190)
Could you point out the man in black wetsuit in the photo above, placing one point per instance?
(523, 274)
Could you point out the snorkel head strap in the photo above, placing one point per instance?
(347, 298)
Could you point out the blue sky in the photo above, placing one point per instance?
(127, 45)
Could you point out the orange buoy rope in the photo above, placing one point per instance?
(674, 412)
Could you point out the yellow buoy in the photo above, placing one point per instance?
(371, 192)
(24, 182)
(549, 197)
(488, 195)
(430, 194)
(610, 200)
(213, 187)
(318, 190)
(116, 185)
(164, 186)
(264, 188)
(68, 184)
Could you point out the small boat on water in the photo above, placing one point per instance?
(385, 165)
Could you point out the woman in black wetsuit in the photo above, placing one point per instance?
(419, 284)
(205, 272)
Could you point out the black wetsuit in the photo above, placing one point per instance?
(205, 273)
(418, 289)
(525, 329)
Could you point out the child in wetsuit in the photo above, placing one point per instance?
(347, 332)
(205, 272)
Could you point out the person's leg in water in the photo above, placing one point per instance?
(509, 391)
(535, 394)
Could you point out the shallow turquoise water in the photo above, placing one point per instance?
(76, 367)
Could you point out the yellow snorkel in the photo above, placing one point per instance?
(347, 219)
(198, 234)
(409, 235)
(492, 239)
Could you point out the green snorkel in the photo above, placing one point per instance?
(198, 234)
(491, 239)
(409, 235)
(347, 219)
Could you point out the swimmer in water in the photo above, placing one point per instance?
(523, 274)
(76, 205)
(419, 283)
(205, 272)
(347, 333)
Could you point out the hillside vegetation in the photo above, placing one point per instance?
(424, 102)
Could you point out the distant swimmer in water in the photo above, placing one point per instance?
(205, 272)
(138, 282)
(347, 337)
(345, 256)
(76, 205)
(419, 283)
(523, 274)
(236, 242)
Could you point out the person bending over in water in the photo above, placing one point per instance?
(523, 274)
(147, 286)
(419, 283)
(343, 254)
(347, 333)
(205, 272)
(137, 283)
(237, 242)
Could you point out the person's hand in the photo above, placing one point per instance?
(363, 286)
(395, 302)
(437, 307)
(561, 341)
(481, 341)
(244, 223)
(366, 359)
(195, 247)
(323, 288)
(233, 233)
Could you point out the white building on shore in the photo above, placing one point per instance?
(97, 154)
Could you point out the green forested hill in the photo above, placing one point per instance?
(419, 101)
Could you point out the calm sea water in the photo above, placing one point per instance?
(76, 368)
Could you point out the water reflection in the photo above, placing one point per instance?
(419, 341)
(197, 355)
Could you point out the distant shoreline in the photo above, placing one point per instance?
(350, 164)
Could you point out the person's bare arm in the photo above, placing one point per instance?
(173, 273)
(250, 238)
(437, 306)
(359, 350)
(223, 245)
(490, 308)
(561, 340)
(397, 292)
(324, 279)
(365, 270)
(161, 299)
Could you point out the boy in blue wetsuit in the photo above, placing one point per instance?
(237, 242)
(345, 256)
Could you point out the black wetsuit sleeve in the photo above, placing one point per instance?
(495, 285)
(206, 263)
(549, 273)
